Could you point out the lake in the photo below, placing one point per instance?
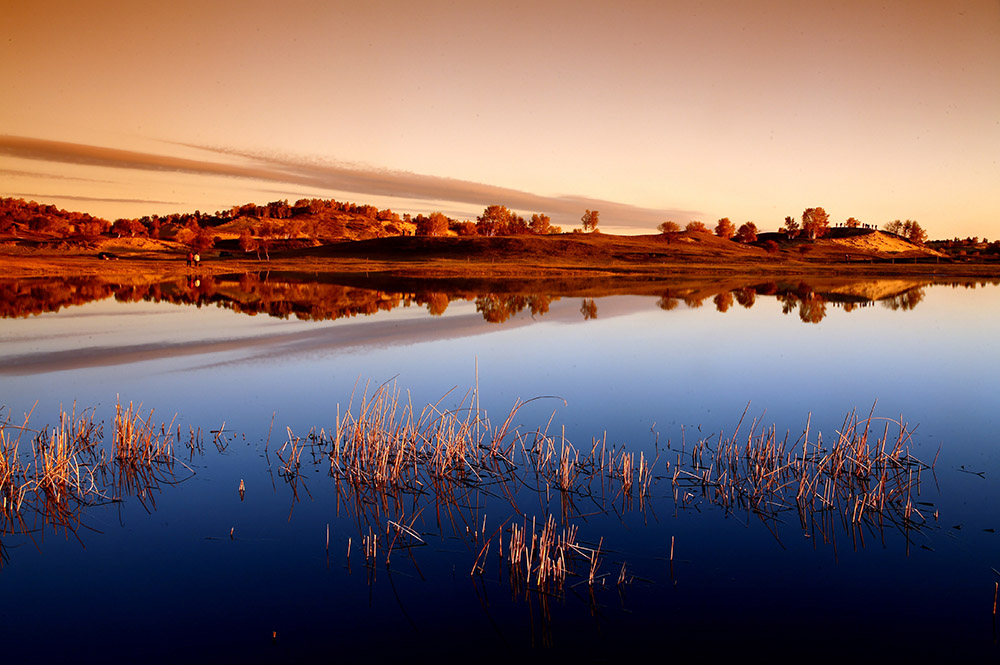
(634, 409)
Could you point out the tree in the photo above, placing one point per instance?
(465, 228)
(517, 225)
(815, 222)
(495, 221)
(668, 227)
(540, 224)
(852, 223)
(725, 228)
(770, 246)
(589, 309)
(590, 219)
(247, 242)
(435, 225)
(895, 227)
(791, 227)
(669, 230)
(696, 227)
(747, 233)
(913, 232)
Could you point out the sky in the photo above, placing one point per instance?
(645, 111)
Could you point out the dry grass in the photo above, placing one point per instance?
(68, 468)
(858, 479)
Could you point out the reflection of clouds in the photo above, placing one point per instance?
(371, 181)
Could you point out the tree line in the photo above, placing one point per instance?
(814, 223)
(328, 219)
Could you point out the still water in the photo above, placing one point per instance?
(195, 567)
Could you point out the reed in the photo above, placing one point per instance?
(861, 480)
(68, 469)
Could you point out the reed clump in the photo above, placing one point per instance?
(859, 477)
(67, 467)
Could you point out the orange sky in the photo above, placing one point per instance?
(647, 111)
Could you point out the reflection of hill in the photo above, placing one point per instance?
(877, 290)
(325, 296)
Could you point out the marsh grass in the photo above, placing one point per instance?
(393, 467)
(860, 479)
(67, 467)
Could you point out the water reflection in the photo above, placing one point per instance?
(321, 297)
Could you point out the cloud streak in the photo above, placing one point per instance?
(72, 197)
(325, 176)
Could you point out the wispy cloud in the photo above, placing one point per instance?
(327, 176)
(50, 176)
(73, 197)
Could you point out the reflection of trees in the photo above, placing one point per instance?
(746, 296)
(292, 295)
(811, 305)
(693, 301)
(437, 303)
(667, 302)
(497, 308)
(906, 300)
(539, 304)
(812, 309)
(723, 301)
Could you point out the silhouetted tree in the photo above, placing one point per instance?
(791, 227)
(588, 308)
(590, 219)
(852, 223)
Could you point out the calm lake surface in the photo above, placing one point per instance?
(190, 567)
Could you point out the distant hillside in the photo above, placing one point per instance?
(317, 228)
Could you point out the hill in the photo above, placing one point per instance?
(329, 236)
